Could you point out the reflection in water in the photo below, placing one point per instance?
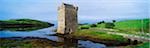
(41, 38)
(22, 29)
(90, 44)
(74, 43)
(69, 43)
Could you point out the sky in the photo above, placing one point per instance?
(93, 10)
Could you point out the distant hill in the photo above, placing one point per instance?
(24, 23)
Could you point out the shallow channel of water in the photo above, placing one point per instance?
(45, 33)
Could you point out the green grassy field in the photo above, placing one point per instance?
(99, 35)
(133, 25)
(127, 25)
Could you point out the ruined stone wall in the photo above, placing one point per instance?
(61, 19)
(67, 19)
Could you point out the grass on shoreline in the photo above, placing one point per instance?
(99, 35)
(28, 43)
(143, 45)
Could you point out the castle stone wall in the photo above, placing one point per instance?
(67, 19)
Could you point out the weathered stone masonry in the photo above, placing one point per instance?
(67, 19)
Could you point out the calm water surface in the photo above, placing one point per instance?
(46, 32)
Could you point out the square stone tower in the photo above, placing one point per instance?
(67, 19)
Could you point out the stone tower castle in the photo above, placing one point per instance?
(67, 19)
